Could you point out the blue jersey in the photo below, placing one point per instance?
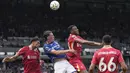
(53, 46)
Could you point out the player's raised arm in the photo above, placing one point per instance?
(74, 33)
(87, 42)
(10, 59)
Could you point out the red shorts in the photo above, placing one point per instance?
(78, 65)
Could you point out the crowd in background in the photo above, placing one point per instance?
(26, 20)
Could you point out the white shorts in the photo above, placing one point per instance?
(64, 67)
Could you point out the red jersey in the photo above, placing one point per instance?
(30, 60)
(75, 59)
(107, 60)
(74, 45)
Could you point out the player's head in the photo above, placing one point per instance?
(73, 29)
(35, 42)
(48, 35)
(107, 40)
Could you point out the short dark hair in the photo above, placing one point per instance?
(70, 27)
(34, 39)
(46, 34)
(107, 39)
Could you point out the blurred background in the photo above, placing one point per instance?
(20, 20)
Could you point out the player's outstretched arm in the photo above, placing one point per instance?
(91, 68)
(92, 43)
(88, 42)
(10, 59)
(57, 52)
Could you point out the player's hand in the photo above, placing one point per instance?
(6, 59)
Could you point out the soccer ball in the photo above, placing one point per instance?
(54, 5)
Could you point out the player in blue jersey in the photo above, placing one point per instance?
(57, 54)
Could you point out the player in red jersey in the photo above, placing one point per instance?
(74, 42)
(31, 57)
(107, 58)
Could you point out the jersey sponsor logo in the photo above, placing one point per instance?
(31, 57)
(47, 49)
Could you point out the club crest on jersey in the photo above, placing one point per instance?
(56, 46)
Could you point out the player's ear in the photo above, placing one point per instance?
(47, 37)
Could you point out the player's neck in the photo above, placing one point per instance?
(48, 42)
(74, 34)
(31, 47)
(107, 46)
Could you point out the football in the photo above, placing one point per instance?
(54, 5)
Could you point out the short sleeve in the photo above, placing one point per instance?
(48, 49)
(94, 59)
(21, 51)
(120, 58)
